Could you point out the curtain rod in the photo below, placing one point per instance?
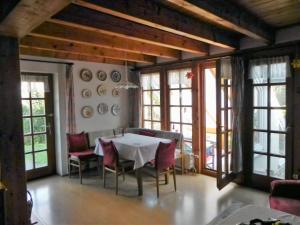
(45, 61)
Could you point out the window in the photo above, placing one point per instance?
(181, 104)
(151, 101)
(269, 119)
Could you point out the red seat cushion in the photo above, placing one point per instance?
(147, 133)
(82, 154)
(287, 205)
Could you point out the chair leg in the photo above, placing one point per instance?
(80, 172)
(98, 166)
(70, 168)
(123, 173)
(103, 176)
(174, 177)
(167, 177)
(157, 183)
(117, 182)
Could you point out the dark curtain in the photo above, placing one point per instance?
(238, 76)
(134, 101)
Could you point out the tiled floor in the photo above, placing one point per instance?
(61, 201)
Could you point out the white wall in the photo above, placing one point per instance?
(97, 122)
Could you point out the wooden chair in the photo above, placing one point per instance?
(112, 163)
(164, 162)
(118, 131)
(80, 153)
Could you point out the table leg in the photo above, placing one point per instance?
(139, 178)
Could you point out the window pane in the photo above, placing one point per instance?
(229, 115)
(156, 126)
(29, 161)
(38, 107)
(278, 120)
(28, 143)
(278, 72)
(155, 113)
(188, 147)
(147, 124)
(26, 125)
(147, 112)
(155, 81)
(260, 164)
(175, 127)
(260, 119)
(185, 82)
(260, 96)
(278, 96)
(277, 167)
(260, 74)
(186, 97)
(25, 89)
(173, 79)
(146, 83)
(147, 97)
(175, 114)
(277, 144)
(174, 97)
(186, 114)
(187, 132)
(229, 97)
(26, 107)
(41, 159)
(37, 90)
(40, 142)
(211, 153)
(155, 97)
(39, 124)
(222, 97)
(260, 141)
(229, 139)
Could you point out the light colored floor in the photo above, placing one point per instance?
(62, 201)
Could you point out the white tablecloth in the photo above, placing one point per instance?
(141, 149)
(249, 212)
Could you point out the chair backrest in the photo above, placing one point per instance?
(165, 155)
(78, 142)
(110, 153)
(147, 133)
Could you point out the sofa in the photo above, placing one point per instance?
(285, 196)
(156, 133)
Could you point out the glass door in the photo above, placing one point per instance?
(209, 154)
(37, 107)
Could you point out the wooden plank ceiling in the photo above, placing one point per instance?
(137, 31)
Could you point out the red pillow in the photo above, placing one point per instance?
(78, 142)
(147, 133)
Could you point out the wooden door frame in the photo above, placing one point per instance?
(51, 153)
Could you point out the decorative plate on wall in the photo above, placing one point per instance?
(115, 92)
(101, 90)
(86, 93)
(86, 75)
(115, 109)
(87, 111)
(101, 75)
(102, 108)
(115, 76)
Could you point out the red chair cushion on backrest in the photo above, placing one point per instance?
(78, 142)
(165, 155)
(147, 133)
(110, 153)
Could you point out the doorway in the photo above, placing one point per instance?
(38, 124)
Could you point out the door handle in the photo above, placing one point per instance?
(48, 126)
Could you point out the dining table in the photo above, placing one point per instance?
(138, 148)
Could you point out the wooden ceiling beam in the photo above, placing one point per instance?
(71, 56)
(69, 46)
(108, 24)
(228, 15)
(25, 15)
(94, 38)
(152, 14)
